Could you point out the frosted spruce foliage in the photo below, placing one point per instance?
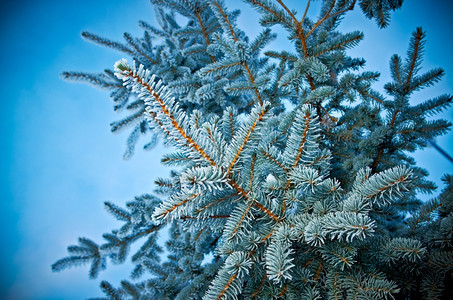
(314, 200)
(199, 187)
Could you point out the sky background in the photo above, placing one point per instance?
(59, 161)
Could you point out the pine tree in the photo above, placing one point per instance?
(290, 170)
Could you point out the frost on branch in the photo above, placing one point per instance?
(313, 200)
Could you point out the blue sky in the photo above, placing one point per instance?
(59, 160)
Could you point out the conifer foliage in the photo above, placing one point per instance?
(291, 172)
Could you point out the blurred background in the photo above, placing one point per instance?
(59, 161)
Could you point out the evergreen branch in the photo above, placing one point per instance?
(188, 31)
(414, 53)
(126, 73)
(163, 183)
(423, 214)
(174, 159)
(287, 11)
(252, 81)
(153, 30)
(395, 113)
(349, 40)
(95, 79)
(383, 17)
(347, 225)
(305, 12)
(223, 18)
(283, 55)
(238, 188)
(252, 170)
(238, 87)
(158, 122)
(142, 233)
(267, 211)
(105, 42)
(240, 215)
(140, 129)
(319, 22)
(131, 41)
(199, 210)
(379, 288)
(318, 159)
(90, 252)
(338, 256)
(220, 67)
(110, 291)
(260, 112)
(366, 94)
(272, 159)
(304, 138)
(426, 80)
(278, 261)
(318, 271)
(203, 29)
(166, 208)
(285, 288)
(385, 183)
(119, 213)
(268, 8)
(255, 293)
(128, 121)
(256, 203)
(335, 287)
(442, 260)
(198, 235)
(204, 217)
(368, 76)
(261, 40)
(199, 179)
(169, 4)
(230, 281)
(426, 129)
(382, 145)
(230, 116)
(432, 106)
(395, 68)
(214, 28)
(130, 289)
(403, 248)
(205, 34)
(303, 125)
(305, 178)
